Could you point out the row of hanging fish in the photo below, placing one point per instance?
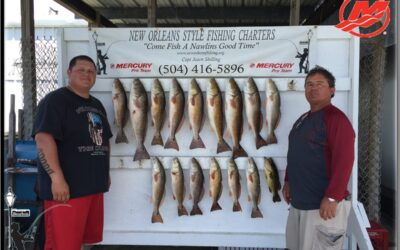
(232, 105)
(215, 190)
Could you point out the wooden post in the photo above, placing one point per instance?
(294, 12)
(11, 142)
(151, 13)
(28, 66)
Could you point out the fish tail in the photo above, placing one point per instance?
(171, 143)
(223, 146)
(156, 217)
(276, 198)
(238, 152)
(141, 154)
(121, 137)
(196, 210)
(256, 213)
(197, 143)
(215, 206)
(236, 206)
(182, 210)
(157, 140)
(260, 142)
(271, 139)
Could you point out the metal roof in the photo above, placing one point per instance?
(193, 13)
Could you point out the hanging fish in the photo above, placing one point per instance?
(234, 117)
(272, 178)
(157, 111)
(195, 110)
(215, 184)
(178, 186)
(215, 114)
(273, 110)
(158, 186)
(138, 111)
(254, 188)
(196, 186)
(120, 104)
(253, 111)
(234, 184)
(176, 109)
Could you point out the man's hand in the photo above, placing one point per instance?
(285, 192)
(327, 209)
(59, 188)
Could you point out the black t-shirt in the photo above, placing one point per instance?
(81, 131)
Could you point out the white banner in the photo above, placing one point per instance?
(202, 52)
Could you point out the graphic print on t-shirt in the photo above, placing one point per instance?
(95, 128)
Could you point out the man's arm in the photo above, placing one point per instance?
(48, 156)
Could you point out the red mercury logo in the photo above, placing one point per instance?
(364, 16)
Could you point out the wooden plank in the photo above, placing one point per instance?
(152, 13)
(294, 12)
(11, 141)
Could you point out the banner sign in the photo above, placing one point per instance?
(202, 52)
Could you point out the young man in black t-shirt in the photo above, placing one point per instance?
(72, 135)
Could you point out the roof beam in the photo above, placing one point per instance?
(262, 13)
(322, 12)
(86, 12)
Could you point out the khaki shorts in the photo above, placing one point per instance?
(306, 230)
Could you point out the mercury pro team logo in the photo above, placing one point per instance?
(364, 16)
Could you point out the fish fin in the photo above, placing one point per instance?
(156, 218)
(233, 103)
(238, 152)
(212, 175)
(223, 146)
(271, 139)
(196, 210)
(141, 154)
(173, 197)
(121, 137)
(173, 99)
(276, 198)
(236, 207)
(182, 211)
(215, 206)
(261, 122)
(269, 189)
(157, 140)
(156, 177)
(138, 104)
(172, 143)
(260, 142)
(155, 99)
(197, 143)
(256, 213)
(250, 178)
(192, 101)
(211, 101)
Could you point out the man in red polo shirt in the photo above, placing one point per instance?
(319, 164)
